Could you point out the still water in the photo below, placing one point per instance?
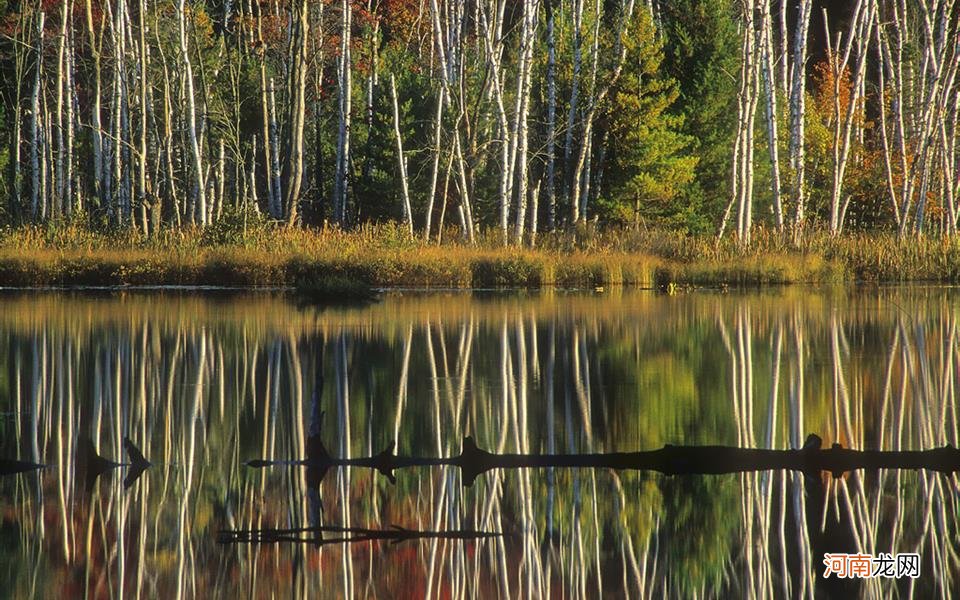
(203, 383)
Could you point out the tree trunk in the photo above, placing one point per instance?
(407, 215)
(769, 83)
(857, 38)
(298, 109)
(551, 120)
(435, 170)
(570, 180)
(521, 136)
(96, 129)
(345, 84)
(798, 114)
(200, 192)
(35, 125)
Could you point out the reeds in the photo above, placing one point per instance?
(387, 256)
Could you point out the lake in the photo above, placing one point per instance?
(203, 382)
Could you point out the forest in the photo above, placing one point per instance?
(504, 118)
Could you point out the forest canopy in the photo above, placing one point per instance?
(517, 116)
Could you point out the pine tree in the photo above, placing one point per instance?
(701, 52)
(648, 160)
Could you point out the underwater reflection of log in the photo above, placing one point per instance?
(12, 467)
(90, 465)
(670, 460)
(340, 535)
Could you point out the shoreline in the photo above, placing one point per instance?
(482, 269)
(378, 257)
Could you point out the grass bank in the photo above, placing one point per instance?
(385, 256)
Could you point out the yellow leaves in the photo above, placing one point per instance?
(202, 23)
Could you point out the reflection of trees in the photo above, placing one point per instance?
(203, 386)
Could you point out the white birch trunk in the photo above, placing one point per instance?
(200, 192)
(57, 200)
(857, 38)
(276, 205)
(35, 126)
(571, 181)
(344, 77)
(407, 214)
(530, 9)
(435, 170)
(551, 119)
(798, 113)
(298, 109)
(769, 83)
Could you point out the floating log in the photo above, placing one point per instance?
(670, 460)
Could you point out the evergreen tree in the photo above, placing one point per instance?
(701, 46)
(649, 163)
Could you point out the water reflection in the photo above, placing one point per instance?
(204, 384)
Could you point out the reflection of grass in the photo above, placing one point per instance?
(335, 290)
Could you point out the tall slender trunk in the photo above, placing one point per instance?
(570, 181)
(96, 129)
(35, 125)
(276, 205)
(551, 118)
(857, 39)
(298, 109)
(14, 206)
(344, 84)
(596, 101)
(798, 113)
(435, 169)
(507, 143)
(57, 203)
(199, 191)
(268, 125)
(465, 210)
(144, 67)
(770, 85)
(407, 215)
(68, 175)
(521, 136)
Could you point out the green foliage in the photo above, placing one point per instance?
(648, 164)
(701, 52)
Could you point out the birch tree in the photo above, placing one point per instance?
(857, 38)
(37, 202)
(199, 192)
(344, 95)
(765, 35)
(298, 86)
(798, 112)
(407, 214)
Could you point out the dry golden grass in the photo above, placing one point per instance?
(385, 255)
